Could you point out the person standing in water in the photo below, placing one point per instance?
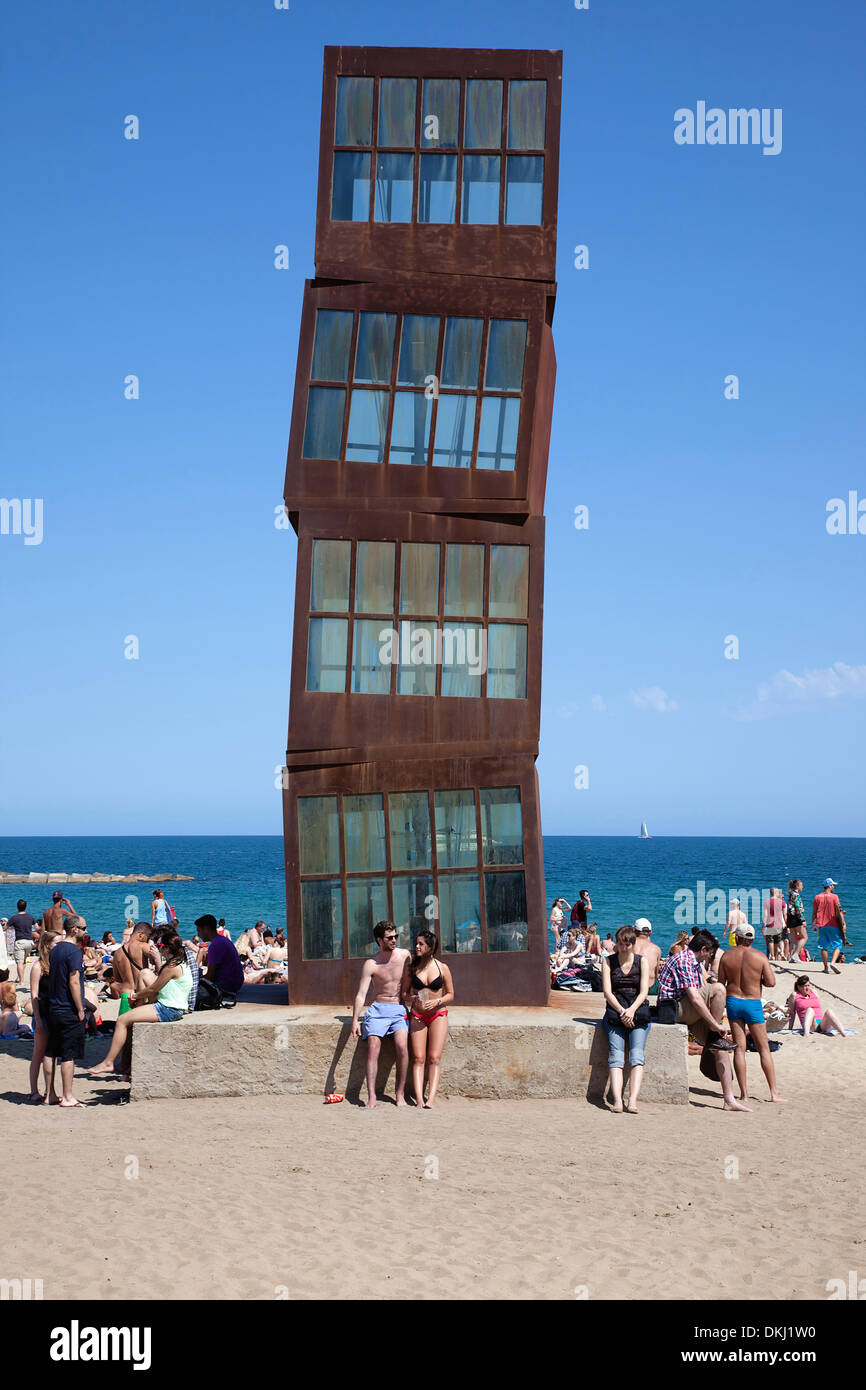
(427, 989)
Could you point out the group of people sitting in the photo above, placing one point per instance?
(155, 975)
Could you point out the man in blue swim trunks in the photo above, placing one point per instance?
(386, 1014)
(828, 920)
(744, 972)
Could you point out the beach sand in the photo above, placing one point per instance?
(270, 1196)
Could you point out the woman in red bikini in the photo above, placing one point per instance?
(426, 991)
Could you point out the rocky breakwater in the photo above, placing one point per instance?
(57, 878)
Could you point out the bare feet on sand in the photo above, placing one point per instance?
(735, 1105)
(617, 1107)
(72, 1104)
(100, 1070)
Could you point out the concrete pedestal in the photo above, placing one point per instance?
(494, 1053)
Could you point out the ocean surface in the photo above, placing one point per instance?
(241, 877)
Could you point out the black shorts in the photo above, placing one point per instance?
(65, 1038)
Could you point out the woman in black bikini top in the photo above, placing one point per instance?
(428, 1015)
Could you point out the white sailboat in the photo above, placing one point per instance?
(644, 833)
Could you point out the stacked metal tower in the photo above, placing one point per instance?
(415, 481)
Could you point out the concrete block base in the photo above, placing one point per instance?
(499, 1053)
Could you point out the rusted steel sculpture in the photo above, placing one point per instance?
(415, 482)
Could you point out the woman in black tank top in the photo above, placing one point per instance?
(625, 981)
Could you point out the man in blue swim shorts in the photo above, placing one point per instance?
(386, 1015)
(744, 972)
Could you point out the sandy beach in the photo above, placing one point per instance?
(283, 1196)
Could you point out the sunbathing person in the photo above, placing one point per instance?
(804, 1002)
(274, 967)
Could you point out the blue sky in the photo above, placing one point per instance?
(707, 516)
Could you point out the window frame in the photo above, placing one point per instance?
(480, 870)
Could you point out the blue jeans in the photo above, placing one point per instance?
(166, 1014)
(616, 1037)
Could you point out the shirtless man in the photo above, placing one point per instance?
(128, 963)
(386, 1014)
(744, 971)
(52, 917)
(644, 947)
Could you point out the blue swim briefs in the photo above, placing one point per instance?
(744, 1010)
(382, 1019)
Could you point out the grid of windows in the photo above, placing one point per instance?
(443, 150)
(418, 618)
(415, 389)
(450, 861)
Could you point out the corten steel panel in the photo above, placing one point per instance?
(507, 977)
(312, 482)
(364, 723)
(344, 250)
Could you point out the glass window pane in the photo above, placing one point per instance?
(394, 176)
(333, 340)
(527, 106)
(413, 899)
(322, 919)
(364, 827)
(507, 928)
(437, 188)
(375, 355)
(462, 352)
(497, 437)
(506, 661)
(323, 435)
(368, 421)
(419, 342)
(464, 660)
(505, 353)
(483, 127)
(455, 431)
(416, 674)
(440, 113)
(371, 656)
(456, 830)
(501, 825)
(354, 124)
(419, 578)
(397, 110)
(480, 202)
(409, 814)
(464, 579)
(366, 904)
(410, 430)
(329, 589)
(524, 180)
(350, 195)
(459, 912)
(509, 581)
(326, 654)
(318, 835)
(374, 580)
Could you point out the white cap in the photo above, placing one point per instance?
(745, 932)
(643, 924)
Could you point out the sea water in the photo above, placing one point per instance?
(241, 877)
